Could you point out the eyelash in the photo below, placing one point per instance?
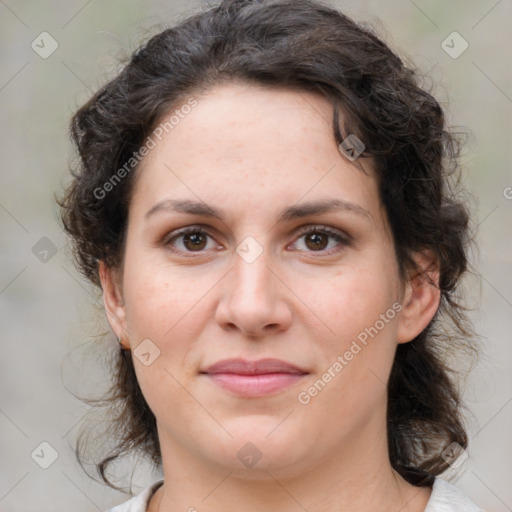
(342, 239)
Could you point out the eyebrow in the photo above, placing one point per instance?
(289, 213)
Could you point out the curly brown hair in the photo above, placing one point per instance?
(306, 46)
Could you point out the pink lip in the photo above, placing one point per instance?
(254, 378)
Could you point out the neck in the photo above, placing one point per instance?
(344, 481)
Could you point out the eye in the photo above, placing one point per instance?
(316, 239)
(194, 239)
(191, 239)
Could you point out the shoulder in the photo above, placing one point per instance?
(447, 498)
(138, 503)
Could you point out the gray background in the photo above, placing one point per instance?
(48, 312)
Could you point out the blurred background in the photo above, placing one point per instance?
(53, 55)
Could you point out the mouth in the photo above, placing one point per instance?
(254, 378)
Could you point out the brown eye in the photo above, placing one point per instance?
(194, 241)
(318, 238)
(188, 240)
(317, 241)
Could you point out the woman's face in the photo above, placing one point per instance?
(252, 282)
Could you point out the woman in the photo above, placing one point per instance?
(264, 197)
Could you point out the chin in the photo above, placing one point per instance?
(257, 446)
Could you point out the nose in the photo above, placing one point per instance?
(255, 299)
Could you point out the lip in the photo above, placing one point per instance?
(254, 378)
(258, 367)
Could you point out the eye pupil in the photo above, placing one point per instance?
(195, 239)
(315, 237)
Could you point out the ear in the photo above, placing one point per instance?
(421, 298)
(113, 302)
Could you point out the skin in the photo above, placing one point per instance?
(254, 151)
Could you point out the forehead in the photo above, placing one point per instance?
(268, 144)
(246, 118)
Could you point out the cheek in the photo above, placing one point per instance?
(360, 308)
(159, 301)
(355, 298)
(165, 309)
(351, 384)
(150, 308)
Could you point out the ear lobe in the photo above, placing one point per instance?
(421, 298)
(113, 302)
